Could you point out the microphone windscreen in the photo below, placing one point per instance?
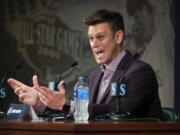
(74, 64)
(18, 67)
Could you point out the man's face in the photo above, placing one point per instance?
(143, 26)
(105, 46)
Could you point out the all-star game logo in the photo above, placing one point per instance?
(47, 43)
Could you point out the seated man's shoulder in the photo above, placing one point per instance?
(139, 65)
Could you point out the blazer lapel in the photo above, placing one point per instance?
(121, 68)
(95, 87)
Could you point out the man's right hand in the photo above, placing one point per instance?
(27, 95)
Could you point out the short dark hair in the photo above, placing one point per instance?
(134, 5)
(113, 18)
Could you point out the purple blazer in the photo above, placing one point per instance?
(143, 98)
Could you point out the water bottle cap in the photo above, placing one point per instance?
(80, 78)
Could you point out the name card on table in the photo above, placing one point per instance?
(20, 112)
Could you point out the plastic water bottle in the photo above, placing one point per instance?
(77, 115)
(81, 100)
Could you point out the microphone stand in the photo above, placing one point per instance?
(55, 113)
(2, 113)
(3, 89)
(118, 115)
(66, 68)
(59, 78)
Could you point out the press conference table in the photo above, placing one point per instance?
(90, 128)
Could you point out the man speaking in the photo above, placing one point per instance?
(106, 35)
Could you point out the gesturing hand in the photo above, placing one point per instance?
(52, 99)
(26, 94)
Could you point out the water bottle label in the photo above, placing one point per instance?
(83, 94)
(75, 93)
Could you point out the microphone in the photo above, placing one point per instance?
(136, 56)
(3, 89)
(9, 71)
(66, 68)
(54, 85)
(118, 90)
